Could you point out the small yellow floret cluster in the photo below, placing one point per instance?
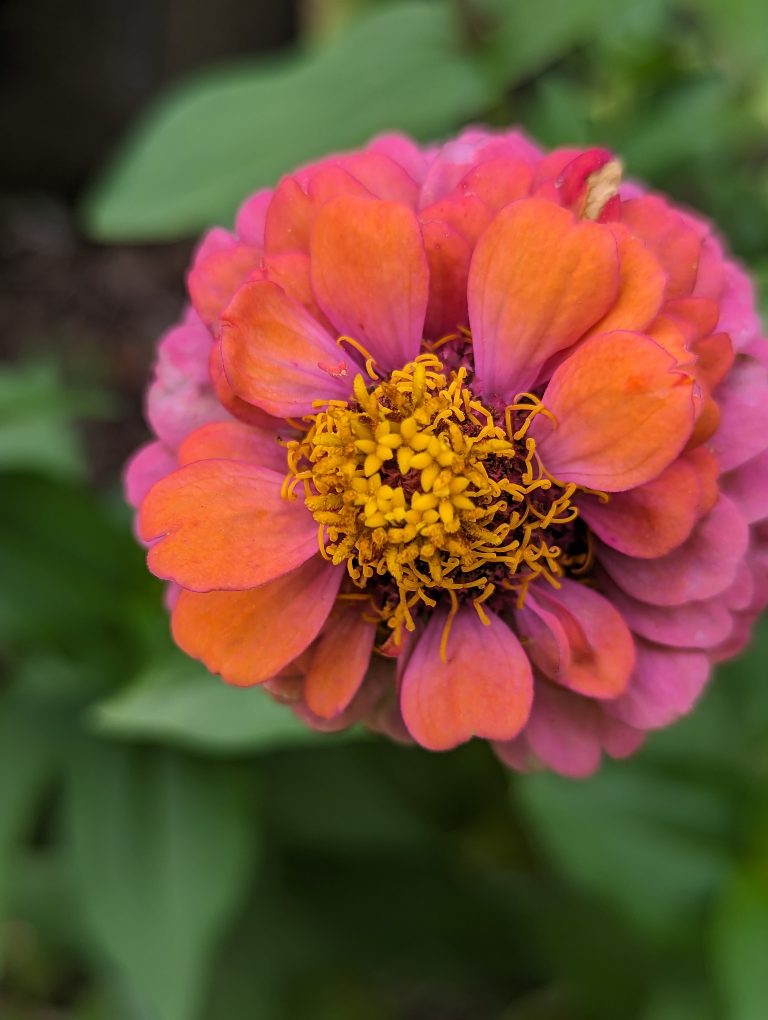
(398, 481)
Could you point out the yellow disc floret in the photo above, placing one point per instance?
(417, 489)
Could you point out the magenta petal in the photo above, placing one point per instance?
(699, 624)
(148, 465)
(747, 486)
(701, 567)
(665, 686)
(564, 731)
(743, 402)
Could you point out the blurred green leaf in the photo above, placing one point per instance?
(163, 848)
(74, 568)
(653, 845)
(212, 142)
(37, 415)
(527, 36)
(740, 938)
(178, 702)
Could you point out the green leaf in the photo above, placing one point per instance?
(528, 36)
(740, 944)
(72, 569)
(163, 848)
(650, 844)
(213, 141)
(36, 420)
(177, 701)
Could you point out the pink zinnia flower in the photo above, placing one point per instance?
(468, 441)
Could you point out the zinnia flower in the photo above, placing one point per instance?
(465, 441)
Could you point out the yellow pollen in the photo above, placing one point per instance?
(417, 489)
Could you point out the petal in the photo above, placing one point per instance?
(623, 413)
(277, 356)
(251, 217)
(448, 255)
(665, 685)
(537, 282)
(700, 624)
(642, 283)
(676, 244)
(747, 486)
(703, 566)
(652, 519)
(228, 399)
(340, 661)
(213, 281)
(484, 688)
(564, 731)
(233, 440)
(148, 465)
(249, 636)
(743, 401)
(370, 275)
(577, 638)
(224, 524)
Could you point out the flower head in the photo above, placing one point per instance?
(469, 441)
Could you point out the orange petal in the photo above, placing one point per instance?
(538, 281)
(484, 688)
(715, 357)
(340, 661)
(370, 275)
(233, 440)
(289, 219)
(448, 254)
(224, 524)
(213, 280)
(290, 270)
(674, 242)
(642, 283)
(577, 638)
(623, 410)
(227, 397)
(249, 636)
(652, 519)
(277, 356)
(498, 182)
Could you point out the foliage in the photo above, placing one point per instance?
(174, 850)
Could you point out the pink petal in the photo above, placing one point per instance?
(747, 486)
(234, 440)
(578, 639)
(665, 686)
(700, 568)
(743, 402)
(251, 217)
(697, 624)
(564, 731)
(148, 465)
(483, 689)
(652, 519)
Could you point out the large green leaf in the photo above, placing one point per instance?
(163, 848)
(177, 701)
(211, 142)
(652, 845)
(741, 943)
(36, 420)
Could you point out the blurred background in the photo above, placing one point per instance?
(172, 849)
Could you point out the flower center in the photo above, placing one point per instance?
(423, 492)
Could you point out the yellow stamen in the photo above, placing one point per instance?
(413, 481)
